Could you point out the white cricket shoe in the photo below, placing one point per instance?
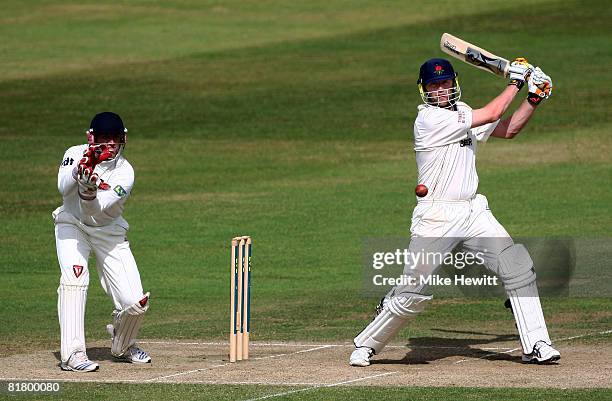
(135, 354)
(79, 362)
(361, 356)
(542, 353)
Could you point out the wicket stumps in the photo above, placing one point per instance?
(240, 298)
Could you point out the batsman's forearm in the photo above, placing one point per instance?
(495, 108)
(500, 104)
(520, 117)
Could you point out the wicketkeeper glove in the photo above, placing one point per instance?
(95, 155)
(540, 87)
(87, 180)
(520, 70)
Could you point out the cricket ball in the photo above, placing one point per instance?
(420, 190)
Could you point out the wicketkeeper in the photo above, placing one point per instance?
(451, 213)
(95, 181)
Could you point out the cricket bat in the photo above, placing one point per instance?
(474, 55)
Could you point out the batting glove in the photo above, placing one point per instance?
(540, 87)
(520, 70)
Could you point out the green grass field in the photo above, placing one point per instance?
(290, 122)
(195, 392)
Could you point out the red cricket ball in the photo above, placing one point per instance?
(420, 190)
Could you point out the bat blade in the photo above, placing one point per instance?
(474, 55)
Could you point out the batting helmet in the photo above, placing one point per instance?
(438, 69)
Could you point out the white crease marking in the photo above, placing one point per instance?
(320, 386)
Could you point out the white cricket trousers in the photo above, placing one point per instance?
(438, 227)
(441, 225)
(116, 269)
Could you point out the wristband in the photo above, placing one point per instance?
(534, 99)
(517, 82)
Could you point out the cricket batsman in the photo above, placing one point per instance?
(449, 213)
(95, 181)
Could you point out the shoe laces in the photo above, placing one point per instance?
(79, 357)
(136, 350)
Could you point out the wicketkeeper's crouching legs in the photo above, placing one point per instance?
(121, 280)
(72, 254)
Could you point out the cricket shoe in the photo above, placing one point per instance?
(361, 356)
(542, 353)
(133, 354)
(79, 362)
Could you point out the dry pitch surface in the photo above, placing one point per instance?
(493, 362)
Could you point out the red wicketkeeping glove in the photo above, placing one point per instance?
(95, 155)
(86, 177)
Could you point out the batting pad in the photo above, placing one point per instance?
(126, 324)
(529, 316)
(393, 317)
(71, 311)
(518, 276)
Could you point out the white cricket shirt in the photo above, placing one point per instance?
(107, 207)
(445, 149)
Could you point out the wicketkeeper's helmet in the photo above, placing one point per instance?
(107, 123)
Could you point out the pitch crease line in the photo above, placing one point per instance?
(255, 382)
(186, 373)
(256, 344)
(65, 380)
(230, 363)
(136, 381)
(299, 345)
(293, 353)
(321, 386)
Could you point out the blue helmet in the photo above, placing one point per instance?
(107, 123)
(438, 69)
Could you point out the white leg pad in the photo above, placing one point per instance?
(71, 311)
(393, 317)
(518, 276)
(529, 316)
(126, 324)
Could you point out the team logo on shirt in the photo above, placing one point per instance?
(465, 142)
(78, 270)
(120, 191)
